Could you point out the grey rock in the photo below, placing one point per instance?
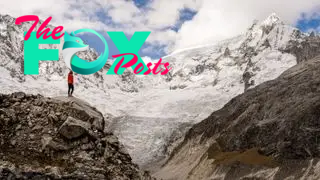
(53, 118)
(73, 128)
(19, 95)
(18, 127)
(227, 52)
(111, 139)
(56, 147)
(45, 141)
(304, 50)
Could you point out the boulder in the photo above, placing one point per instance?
(73, 128)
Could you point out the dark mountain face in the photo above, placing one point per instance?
(306, 49)
(273, 127)
(62, 138)
(281, 117)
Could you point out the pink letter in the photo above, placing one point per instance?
(21, 19)
(133, 61)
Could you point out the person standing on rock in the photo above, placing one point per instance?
(70, 83)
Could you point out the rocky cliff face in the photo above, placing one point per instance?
(270, 132)
(305, 49)
(60, 138)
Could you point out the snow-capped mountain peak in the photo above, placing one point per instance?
(264, 27)
(272, 20)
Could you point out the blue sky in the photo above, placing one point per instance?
(304, 23)
(174, 24)
(141, 3)
(186, 14)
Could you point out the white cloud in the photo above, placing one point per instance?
(220, 19)
(71, 14)
(147, 60)
(123, 11)
(215, 20)
(166, 12)
(82, 14)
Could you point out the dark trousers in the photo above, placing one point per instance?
(70, 89)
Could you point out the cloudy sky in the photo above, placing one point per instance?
(174, 24)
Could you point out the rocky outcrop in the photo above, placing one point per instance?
(269, 132)
(304, 49)
(60, 138)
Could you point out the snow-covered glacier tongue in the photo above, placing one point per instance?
(148, 113)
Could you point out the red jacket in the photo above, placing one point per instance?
(70, 78)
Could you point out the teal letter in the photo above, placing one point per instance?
(32, 53)
(125, 46)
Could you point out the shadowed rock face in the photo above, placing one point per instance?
(281, 116)
(62, 138)
(276, 122)
(304, 49)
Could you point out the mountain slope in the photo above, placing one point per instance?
(270, 132)
(202, 80)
